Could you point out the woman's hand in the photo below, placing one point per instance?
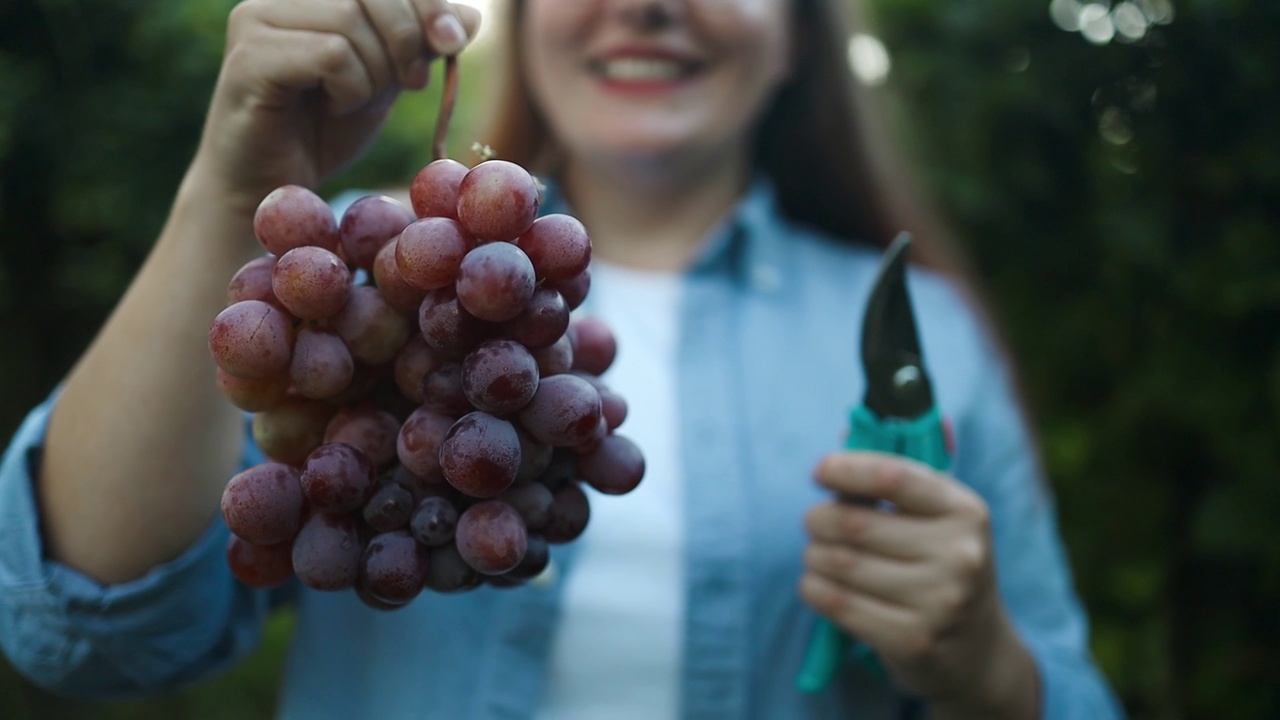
(306, 85)
(918, 584)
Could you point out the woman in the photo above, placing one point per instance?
(708, 147)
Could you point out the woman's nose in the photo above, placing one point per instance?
(647, 15)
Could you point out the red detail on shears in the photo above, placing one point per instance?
(949, 436)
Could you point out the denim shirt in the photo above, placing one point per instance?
(767, 372)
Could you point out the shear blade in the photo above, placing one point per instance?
(898, 385)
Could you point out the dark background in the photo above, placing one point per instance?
(1121, 201)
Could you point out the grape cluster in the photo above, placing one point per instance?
(428, 408)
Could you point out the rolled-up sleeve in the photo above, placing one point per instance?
(996, 455)
(181, 621)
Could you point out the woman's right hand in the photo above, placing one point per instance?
(305, 85)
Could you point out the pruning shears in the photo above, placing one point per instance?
(897, 415)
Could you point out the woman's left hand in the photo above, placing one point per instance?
(917, 583)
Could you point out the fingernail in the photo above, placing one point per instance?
(447, 34)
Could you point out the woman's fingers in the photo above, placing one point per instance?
(881, 624)
(884, 533)
(895, 581)
(303, 59)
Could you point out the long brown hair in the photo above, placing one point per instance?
(821, 141)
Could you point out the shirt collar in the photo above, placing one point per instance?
(748, 244)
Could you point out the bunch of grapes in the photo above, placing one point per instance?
(429, 411)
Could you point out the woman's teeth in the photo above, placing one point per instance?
(642, 69)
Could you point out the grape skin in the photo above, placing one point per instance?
(391, 285)
(311, 282)
(368, 429)
(292, 216)
(337, 478)
(497, 200)
(495, 281)
(615, 467)
(394, 567)
(263, 504)
(322, 366)
(252, 340)
(499, 377)
(491, 537)
(480, 455)
(565, 411)
(429, 252)
(368, 224)
(289, 431)
(260, 566)
(434, 190)
(419, 442)
(253, 282)
(327, 551)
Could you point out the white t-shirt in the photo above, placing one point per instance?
(617, 649)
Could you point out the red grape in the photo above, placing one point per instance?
(495, 281)
(337, 478)
(434, 521)
(368, 224)
(499, 376)
(434, 190)
(260, 566)
(418, 444)
(394, 567)
(447, 327)
(389, 508)
(263, 504)
(556, 358)
(594, 347)
(574, 289)
(253, 395)
(373, 330)
(497, 200)
(413, 362)
(537, 556)
(253, 282)
(558, 247)
(543, 320)
(535, 457)
(394, 289)
(564, 412)
(292, 216)
(480, 455)
(311, 282)
(326, 552)
(252, 340)
(322, 366)
(615, 467)
(368, 429)
(533, 502)
(429, 252)
(448, 572)
(442, 390)
(491, 537)
(289, 431)
(570, 513)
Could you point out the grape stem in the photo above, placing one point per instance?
(447, 98)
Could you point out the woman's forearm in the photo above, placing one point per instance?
(140, 442)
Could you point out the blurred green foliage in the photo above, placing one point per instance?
(1121, 202)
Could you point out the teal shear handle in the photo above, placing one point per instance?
(923, 438)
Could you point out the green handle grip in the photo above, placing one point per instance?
(924, 439)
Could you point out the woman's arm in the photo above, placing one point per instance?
(140, 443)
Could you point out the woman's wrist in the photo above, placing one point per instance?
(1006, 688)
